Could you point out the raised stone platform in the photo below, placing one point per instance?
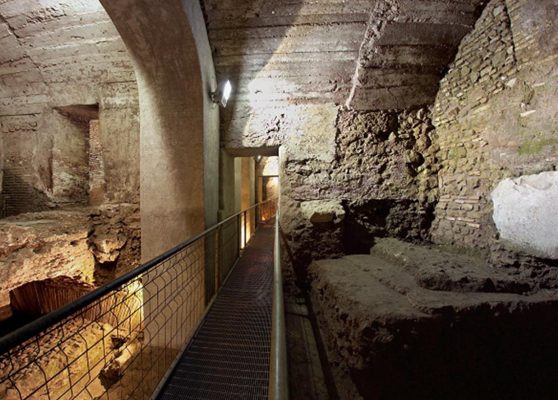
(413, 322)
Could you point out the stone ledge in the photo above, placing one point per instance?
(399, 340)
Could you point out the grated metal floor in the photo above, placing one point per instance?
(228, 358)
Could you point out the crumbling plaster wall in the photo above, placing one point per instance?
(60, 53)
(496, 117)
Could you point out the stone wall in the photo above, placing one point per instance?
(364, 175)
(57, 54)
(345, 89)
(495, 117)
(90, 245)
(280, 56)
(114, 239)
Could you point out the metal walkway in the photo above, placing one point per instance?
(229, 355)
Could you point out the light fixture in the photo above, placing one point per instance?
(222, 94)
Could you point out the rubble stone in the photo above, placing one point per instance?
(399, 339)
(88, 245)
(323, 211)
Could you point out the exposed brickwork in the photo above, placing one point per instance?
(485, 62)
(96, 165)
(368, 55)
(493, 118)
(59, 54)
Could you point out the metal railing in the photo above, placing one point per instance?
(278, 376)
(118, 341)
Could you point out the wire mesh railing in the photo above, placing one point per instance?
(118, 341)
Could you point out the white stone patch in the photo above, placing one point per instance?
(526, 213)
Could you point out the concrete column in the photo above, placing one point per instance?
(252, 219)
(227, 196)
(211, 145)
(238, 184)
(171, 97)
(248, 194)
(229, 204)
(211, 139)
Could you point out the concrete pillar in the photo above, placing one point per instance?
(229, 204)
(259, 188)
(171, 97)
(248, 194)
(228, 176)
(238, 184)
(211, 138)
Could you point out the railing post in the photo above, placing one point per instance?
(245, 230)
(278, 375)
(217, 268)
(239, 232)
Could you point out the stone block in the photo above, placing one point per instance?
(323, 211)
(525, 213)
(398, 339)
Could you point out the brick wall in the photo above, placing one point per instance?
(494, 118)
(54, 55)
(96, 165)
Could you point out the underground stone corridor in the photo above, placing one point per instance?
(396, 161)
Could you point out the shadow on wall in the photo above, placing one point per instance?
(20, 197)
(406, 219)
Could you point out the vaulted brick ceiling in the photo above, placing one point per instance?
(368, 54)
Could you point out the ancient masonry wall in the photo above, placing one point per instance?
(89, 245)
(373, 176)
(495, 117)
(344, 88)
(96, 165)
(57, 54)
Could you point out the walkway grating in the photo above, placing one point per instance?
(228, 358)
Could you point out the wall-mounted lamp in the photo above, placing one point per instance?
(222, 94)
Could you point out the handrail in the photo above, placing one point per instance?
(26, 332)
(278, 377)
